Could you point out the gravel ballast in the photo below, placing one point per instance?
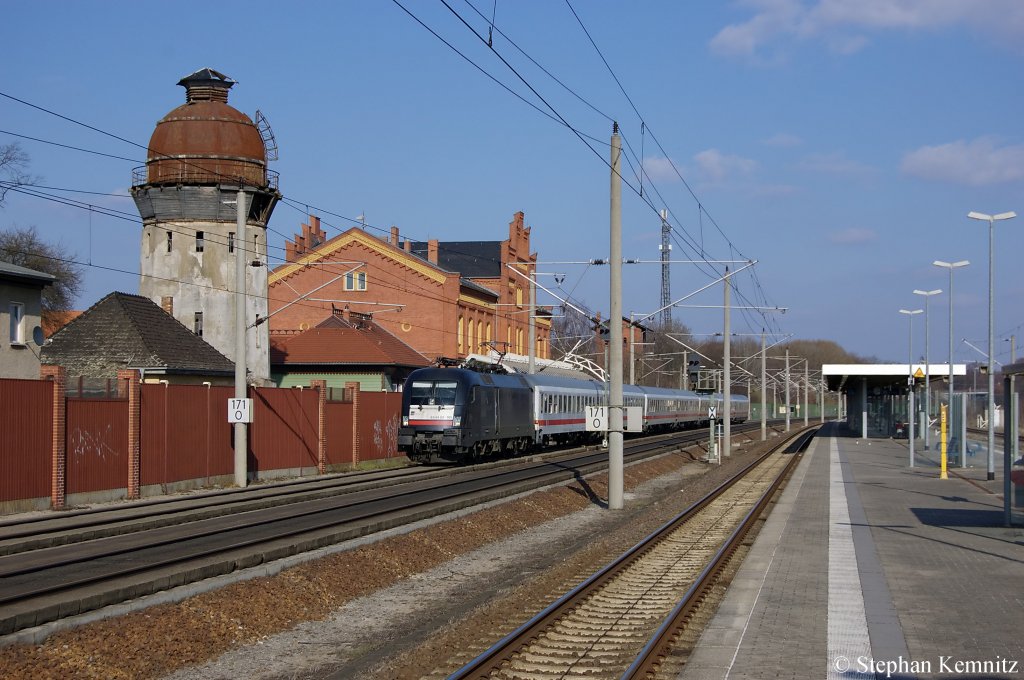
(417, 604)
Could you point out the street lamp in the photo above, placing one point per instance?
(991, 219)
(910, 379)
(949, 408)
(927, 392)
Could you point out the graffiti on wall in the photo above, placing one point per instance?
(385, 437)
(84, 443)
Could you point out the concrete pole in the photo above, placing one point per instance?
(241, 432)
(615, 465)
(787, 390)
(927, 380)
(821, 401)
(1009, 434)
(864, 408)
(531, 365)
(991, 353)
(1010, 400)
(807, 391)
(764, 416)
(727, 375)
(911, 416)
(950, 367)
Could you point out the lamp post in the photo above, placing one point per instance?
(991, 219)
(951, 266)
(910, 379)
(927, 370)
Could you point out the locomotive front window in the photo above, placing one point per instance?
(434, 393)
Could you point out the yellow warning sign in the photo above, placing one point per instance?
(919, 373)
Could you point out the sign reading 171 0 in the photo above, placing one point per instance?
(597, 419)
(239, 410)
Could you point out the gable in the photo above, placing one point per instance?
(359, 237)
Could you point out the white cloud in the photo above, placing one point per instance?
(660, 169)
(842, 24)
(852, 236)
(716, 167)
(783, 139)
(976, 163)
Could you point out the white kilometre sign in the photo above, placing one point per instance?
(597, 419)
(239, 410)
(634, 419)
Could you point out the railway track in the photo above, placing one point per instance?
(622, 621)
(104, 559)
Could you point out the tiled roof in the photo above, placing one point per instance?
(337, 342)
(131, 331)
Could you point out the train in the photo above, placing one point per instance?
(464, 414)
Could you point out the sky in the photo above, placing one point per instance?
(840, 144)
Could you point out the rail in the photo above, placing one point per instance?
(491, 661)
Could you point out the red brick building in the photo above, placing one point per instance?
(447, 299)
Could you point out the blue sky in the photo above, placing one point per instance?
(840, 143)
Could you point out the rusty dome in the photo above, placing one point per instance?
(206, 141)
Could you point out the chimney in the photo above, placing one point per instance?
(394, 236)
(407, 246)
(167, 304)
(206, 85)
(432, 251)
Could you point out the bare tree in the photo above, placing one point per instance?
(572, 330)
(25, 248)
(13, 169)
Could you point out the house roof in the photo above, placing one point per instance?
(135, 332)
(13, 272)
(344, 342)
(471, 259)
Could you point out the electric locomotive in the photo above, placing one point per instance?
(459, 415)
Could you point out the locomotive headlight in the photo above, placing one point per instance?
(405, 421)
(457, 421)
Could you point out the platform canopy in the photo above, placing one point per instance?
(884, 375)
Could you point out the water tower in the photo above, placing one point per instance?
(199, 156)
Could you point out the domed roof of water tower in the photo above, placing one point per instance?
(206, 141)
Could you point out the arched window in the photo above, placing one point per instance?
(480, 335)
(488, 331)
(470, 347)
(459, 336)
(519, 341)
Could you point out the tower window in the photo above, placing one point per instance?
(170, 236)
(197, 324)
(231, 241)
(17, 312)
(200, 241)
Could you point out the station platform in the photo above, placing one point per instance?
(867, 568)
